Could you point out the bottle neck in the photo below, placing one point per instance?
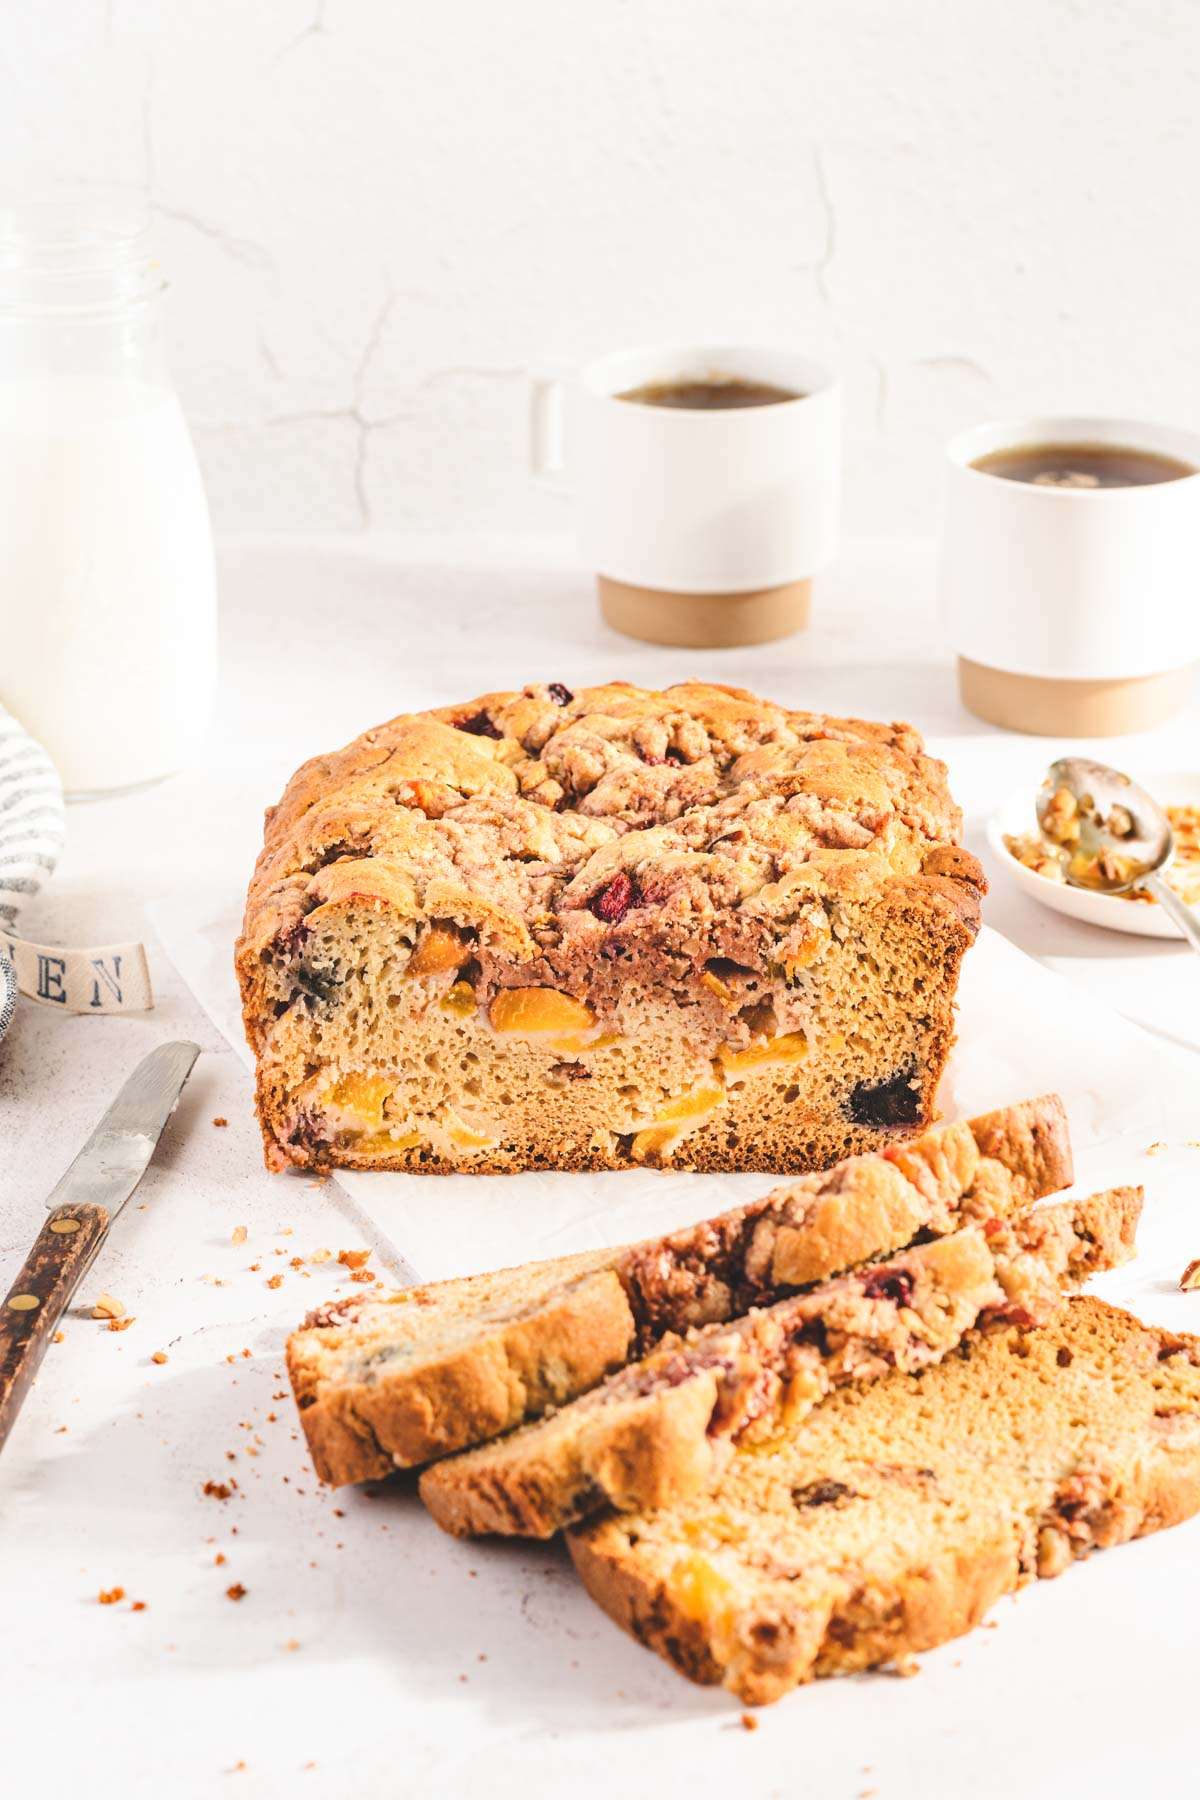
(80, 292)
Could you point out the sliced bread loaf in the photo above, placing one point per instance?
(900, 1513)
(665, 1428)
(394, 1380)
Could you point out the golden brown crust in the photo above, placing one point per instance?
(895, 1520)
(665, 1428)
(381, 1382)
(573, 839)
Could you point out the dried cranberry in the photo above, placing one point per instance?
(479, 725)
(309, 1132)
(816, 1333)
(895, 1285)
(1011, 1313)
(562, 696)
(823, 1493)
(612, 902)
(289, 940)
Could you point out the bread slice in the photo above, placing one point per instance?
(393, 1380)
(665, 1428)
(902, 1512)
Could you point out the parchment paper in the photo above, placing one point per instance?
(1022, 1031)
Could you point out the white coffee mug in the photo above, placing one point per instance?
(1073, 611)
(704, 527)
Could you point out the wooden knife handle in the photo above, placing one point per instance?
(40, 1295)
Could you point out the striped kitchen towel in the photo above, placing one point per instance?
(32, 822)
(32, 830)
(32, 834)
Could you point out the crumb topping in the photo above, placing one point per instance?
(544, 818)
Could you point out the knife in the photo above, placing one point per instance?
(82, 1207)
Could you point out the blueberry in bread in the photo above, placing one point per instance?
(665, 1428)
(897, 1516)
(555, 930)
(392, 1380)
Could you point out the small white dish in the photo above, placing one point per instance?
(1018, 818)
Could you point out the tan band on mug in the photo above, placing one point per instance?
(113, 979)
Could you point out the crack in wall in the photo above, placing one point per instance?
(354, 414)
(967, 364)
(363, 424)
(453, 371)
(314, 28)
(881, 394)
(821, 266)
(148, 128)
(267, 356)
(241, 250)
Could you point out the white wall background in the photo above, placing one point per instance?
(376, 214)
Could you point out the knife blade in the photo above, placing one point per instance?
(82, 1206)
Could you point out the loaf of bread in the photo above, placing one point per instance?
(393, 1380)
(899, 1514)
(545, 930)
(665, 1428)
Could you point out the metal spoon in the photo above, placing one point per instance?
(1124, 837)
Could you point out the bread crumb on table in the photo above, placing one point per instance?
(220, 1122)
(235, 1591)
(1155, 1149)
(110, 1596)
(239, 1235)
(749, 1722)
(274, 1281)
(121, 1324)
(354, 1259)
(105, 1307)
(159, 1356)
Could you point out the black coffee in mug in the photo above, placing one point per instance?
(1082, 465)
(712, 393)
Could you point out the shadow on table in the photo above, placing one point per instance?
(334, 1576)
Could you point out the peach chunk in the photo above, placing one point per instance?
(675, 1119)
(465, 1136)
(538, 1012)
(698, 1589)
(459, 1000)
(363, 1096)
(382, 1143)
(776, 1053)
(440, 949)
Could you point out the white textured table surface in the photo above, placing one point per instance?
(358, 1618)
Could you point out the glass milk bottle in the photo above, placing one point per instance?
(108, 644)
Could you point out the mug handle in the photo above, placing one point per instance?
(547, 384)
